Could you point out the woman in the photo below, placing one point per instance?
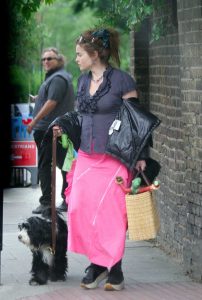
(97, 219)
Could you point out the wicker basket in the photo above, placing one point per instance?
(143, 218)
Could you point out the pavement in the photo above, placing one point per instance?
(150, 274)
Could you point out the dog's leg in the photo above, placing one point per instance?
(40, 270)
(60, 265)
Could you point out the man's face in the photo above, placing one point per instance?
(49, 61)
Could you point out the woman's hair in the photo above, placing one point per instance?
(60, 57)
(103, 40)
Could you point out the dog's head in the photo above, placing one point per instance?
(35, 231)
(23, 235)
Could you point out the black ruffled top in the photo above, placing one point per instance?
(88, 103)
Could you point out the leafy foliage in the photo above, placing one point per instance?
(125, 14)
(29, 6)
(22, 49)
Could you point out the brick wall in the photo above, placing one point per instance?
(169, 76)
(190, 46)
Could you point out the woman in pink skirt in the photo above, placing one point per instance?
(97, 220)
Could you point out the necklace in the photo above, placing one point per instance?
(97, 80)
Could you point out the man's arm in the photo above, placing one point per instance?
(45, 110)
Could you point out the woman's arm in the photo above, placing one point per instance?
(132, 94)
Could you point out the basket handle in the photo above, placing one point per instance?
(144, 177)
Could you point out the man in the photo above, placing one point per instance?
(55, 98)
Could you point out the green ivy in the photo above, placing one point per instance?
(27, 7)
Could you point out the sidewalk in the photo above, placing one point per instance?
(149, 273)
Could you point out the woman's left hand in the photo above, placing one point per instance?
(140, 165)
(57, 131)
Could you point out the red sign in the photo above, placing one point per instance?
(23, 154)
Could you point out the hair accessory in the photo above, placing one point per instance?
(80, 39)
(104, 35)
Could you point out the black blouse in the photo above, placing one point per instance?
(99, 110)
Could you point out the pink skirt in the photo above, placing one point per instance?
(97, 220)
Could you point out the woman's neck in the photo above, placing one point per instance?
(97, 72)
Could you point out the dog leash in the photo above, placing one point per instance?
(53, 183)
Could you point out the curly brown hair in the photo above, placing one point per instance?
(103, 40)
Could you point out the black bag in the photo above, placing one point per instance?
(71, 125)
(136, 126)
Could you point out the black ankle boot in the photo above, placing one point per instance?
(115, 281)
(94, 275)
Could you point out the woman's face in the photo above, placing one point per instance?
(84, 61)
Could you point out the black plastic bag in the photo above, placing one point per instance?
(70, 124)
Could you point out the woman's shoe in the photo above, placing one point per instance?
(94, 275)
(115, 281)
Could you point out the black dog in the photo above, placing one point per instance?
(36, 233)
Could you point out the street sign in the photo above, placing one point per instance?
(23, 154)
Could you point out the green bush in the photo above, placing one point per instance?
(23, 83)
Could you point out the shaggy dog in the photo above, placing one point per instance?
(36, 233)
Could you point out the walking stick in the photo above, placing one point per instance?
(53, 184)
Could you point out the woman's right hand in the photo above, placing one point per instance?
(140, 165)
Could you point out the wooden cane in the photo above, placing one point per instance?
(53, 184)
